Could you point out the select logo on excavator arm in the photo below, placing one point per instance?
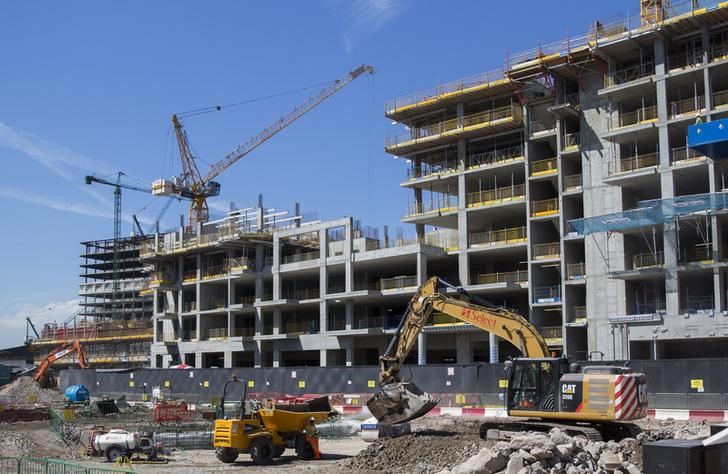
(478, 317)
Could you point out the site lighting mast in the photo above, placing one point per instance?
(197, 187)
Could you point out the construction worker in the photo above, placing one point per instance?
(312, 436)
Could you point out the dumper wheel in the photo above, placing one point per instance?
(261, 450)
(227, 455)
(304, 450)
(113, 452)
(278, 451)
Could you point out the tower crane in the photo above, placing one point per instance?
(118, 185)
(197, 187)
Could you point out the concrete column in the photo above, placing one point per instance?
(227, 359)
(259, 265)
(258, 321)
(464, 349)
(349, 315)
(277, 322)
(323, 286)
(276, 354)
(348, 346)
(493, 344)
(707, 85)
(276, 267)
(463, 264)
(322, 358)
(421, 268)
(349, 254)
(257, 355)
(198, 360)
(672, 302)
(421, 349)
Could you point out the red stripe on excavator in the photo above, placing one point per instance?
(579, 408)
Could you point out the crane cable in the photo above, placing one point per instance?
(215, 108)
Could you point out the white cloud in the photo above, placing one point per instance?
(12, 318)
(59, 159)
(365, 17)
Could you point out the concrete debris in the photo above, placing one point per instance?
(25, 390)
(425, 451)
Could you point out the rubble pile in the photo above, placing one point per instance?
(16, 444)
(424, 451)
(446, 445)
(555, 453)
(26, 390)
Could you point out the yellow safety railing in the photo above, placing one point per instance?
(544, 167)
(449, 88)
(545, 207)
(575, 271)
(570, 141)
(497, 156)
(687, 106)
(720, 98)
(578, 314)
(629, 73)
(217, 333)
(639, 116)
(514, 277)
(301, 257)
(480, 119)
(512, 235)
(438, 205)
(685, 154)
(552, 334)
(572, 182)
(398, 282)
(637, 162)
(648, 259)
(496, 196)
(550, 250)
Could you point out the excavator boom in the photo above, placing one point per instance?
(69, 347)
(398, 401)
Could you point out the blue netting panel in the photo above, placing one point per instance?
(652, 212)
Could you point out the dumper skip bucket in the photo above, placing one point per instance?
(398, 402)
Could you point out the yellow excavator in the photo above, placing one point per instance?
(593, 401)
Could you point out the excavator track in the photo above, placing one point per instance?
(505, 430)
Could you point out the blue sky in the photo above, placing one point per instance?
(90, 86)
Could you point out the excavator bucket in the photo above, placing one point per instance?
(398, 402)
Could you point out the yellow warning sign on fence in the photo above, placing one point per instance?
(460, 398)
(502, 383)
(301, 384)
(371, 383)
(251, 383)
(696, 383)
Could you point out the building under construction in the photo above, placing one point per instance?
(561, 186)
(114, 322)
(510, 171)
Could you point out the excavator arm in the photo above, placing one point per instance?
(396, 401)
(70, 347)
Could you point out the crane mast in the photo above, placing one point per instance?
(116, 285)
(196, 187)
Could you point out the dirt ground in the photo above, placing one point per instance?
(436, 443)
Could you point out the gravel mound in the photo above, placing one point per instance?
(16, 444)
(26, 390)
(426, 451)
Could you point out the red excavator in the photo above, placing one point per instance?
(42, 375)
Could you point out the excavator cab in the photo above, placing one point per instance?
(532, 383)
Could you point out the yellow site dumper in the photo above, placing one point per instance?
(268, 429)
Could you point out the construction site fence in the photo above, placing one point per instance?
(29, 465)
(669, 381)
